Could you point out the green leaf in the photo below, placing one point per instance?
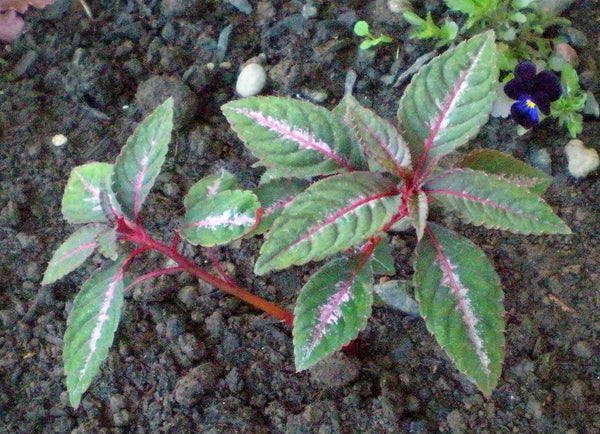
(460, 299)
(413, 19)
(73, 252)
(88, 197)
(274, 196)
(449, 99)
(293, 138)
(221, 218)
(493, 202)
(472, 7)
(332, 215)
(210, 186)
(379, 139)
(91, 327)
(569, 80)
(361, 28)
(448, 31)
(367, 43)
(141, 159)
(382, 261)
(107, 243)
(332, 308)
(507, 167)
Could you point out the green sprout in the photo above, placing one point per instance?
(361, 28)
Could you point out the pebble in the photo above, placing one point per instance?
(583, 350)
(309, 10)
(152, 92)
(335, 371)
(251, 81)
(582, 160)
(541, 160)
(59, 140)
(199, 381)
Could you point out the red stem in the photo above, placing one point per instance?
(138, 235)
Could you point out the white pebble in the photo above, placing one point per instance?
(582, 160)
(59, 140)
(251, 81)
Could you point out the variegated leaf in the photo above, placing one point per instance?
(449, 99)
(508, 167)
(380, 140)
(210, 186)
(293, 137)
(491, 201)
(220, 218)
(73, 252)
(332, 308)
(460, 299)
(332, 215)
(91, 327)
(141, 159)
(274, 196)
(88, 197)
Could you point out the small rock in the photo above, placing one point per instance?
(582, 160)
(152, 92)
(335, 371)
(199, 381)
(241, 5)
(566, 52)
(582, 350)
(456, 422)
(59, 140)
(541, 160)
(309, 10)
(251, 81)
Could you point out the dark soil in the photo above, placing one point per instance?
(188, 358)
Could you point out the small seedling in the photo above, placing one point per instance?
(567, 110)
(361, 28)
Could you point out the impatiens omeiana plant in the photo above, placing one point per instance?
(372, 175)
(370, 178)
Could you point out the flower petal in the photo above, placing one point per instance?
(525, 71)
(549, 83)
(524, 115)
(516, 87)
(541, 99)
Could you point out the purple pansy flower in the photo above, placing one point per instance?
(532, 92)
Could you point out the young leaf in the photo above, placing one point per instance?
(91, 327)
(210, 186)
(449, 99)
(508, 167)
(418, 210)
(361, 28)
(332, 308)
(274, 196)
(472, 7)
(88, 187)
(292, 137)
(488, 200)
(141, 159)
(73, 252)
(332, 215)
(460, 300)
(379, 139)
(220, 218)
